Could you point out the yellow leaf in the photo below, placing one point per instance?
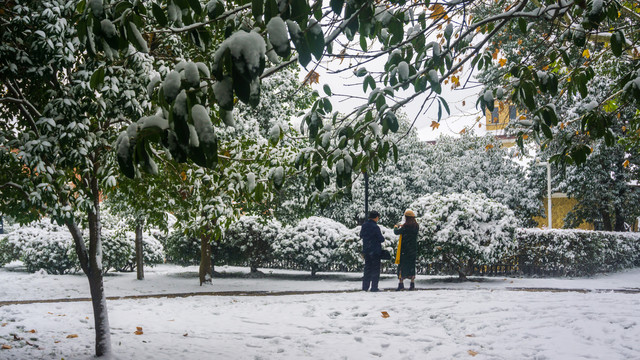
(525, 137)
(495, 54)
(586, 53)
(455, 80)
(502, 62)
(625, 163)
(434, 125)
(138, 333)
(33, 331)
(522, 117)
(472, 353)
(72, 336)
(6, 347)
(139, 328)
(385, 314)
(438, 12)
(183, 175)
(488, 147)
(4, 324)
(463, 131)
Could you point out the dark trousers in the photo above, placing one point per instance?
(371, 272)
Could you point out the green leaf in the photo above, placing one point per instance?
(363, 43)
(392, 121)
(546, 130)
(396, 30)
(445, 104)
(315, 39)
(299, 10)
(617, 40)
(158, 13)
(196, 6)
(299, 41)
(327, 89)
(257, 9)
(361, 72)
(270, 10)
(97, 79)
(336, 6)
(522, 25)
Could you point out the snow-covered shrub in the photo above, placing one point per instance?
(43, 245)
(8, 251)
(312, 243)
(463, 230)
(254, 238)
(576, 252)
(182, 249)
(119, 251)
(350, 248)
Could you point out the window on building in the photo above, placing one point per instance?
(512, 113)
(495, 115)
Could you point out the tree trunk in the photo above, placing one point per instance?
(139, 250)
(206, 268)
(98, 299)
(91, 263)
(619, 221)
(606, 220)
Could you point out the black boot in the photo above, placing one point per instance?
(412, 286)
(400, 286)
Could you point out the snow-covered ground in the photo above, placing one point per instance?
(484, 319)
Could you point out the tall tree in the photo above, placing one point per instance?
(61, 113)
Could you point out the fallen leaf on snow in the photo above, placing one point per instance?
(57, 341)
(470, 335)
(16, 337)
(72, 336)
(6, 347)
(138, 332)
(385, 314)
(472, 353)
(4, 324)
(139, 328)
(33, 331)
(185, 334)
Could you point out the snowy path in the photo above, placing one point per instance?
(479, 320)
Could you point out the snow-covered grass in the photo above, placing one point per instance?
(445, 320)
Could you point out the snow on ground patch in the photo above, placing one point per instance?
(441, 324)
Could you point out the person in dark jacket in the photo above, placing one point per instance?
(408, 249)
(372, 240)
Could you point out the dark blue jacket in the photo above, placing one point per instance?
(371, 238)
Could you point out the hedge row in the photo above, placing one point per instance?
(49, 247)
(576, 252)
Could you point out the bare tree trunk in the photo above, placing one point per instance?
(91, 263)
(139, 249)
(206, 268)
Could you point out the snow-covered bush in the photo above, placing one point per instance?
(463, 230)
(350, 248)
(312, 244)
(254, 238)
(43, 245)
(576, 252)
(182, 249)
(118, 250)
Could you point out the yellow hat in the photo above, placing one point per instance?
(409, 213)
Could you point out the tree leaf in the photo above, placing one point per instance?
(158, 13)
(257, 9)
(336, 6)
(617, 40)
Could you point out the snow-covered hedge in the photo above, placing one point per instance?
(312, 244)
(42, 245)
(576, 252)
(462, 230)
(182, 249)
(118, 250)
(253, 238)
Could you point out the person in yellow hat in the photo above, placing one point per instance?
(407, 249)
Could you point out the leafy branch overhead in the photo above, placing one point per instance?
(424, 45)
